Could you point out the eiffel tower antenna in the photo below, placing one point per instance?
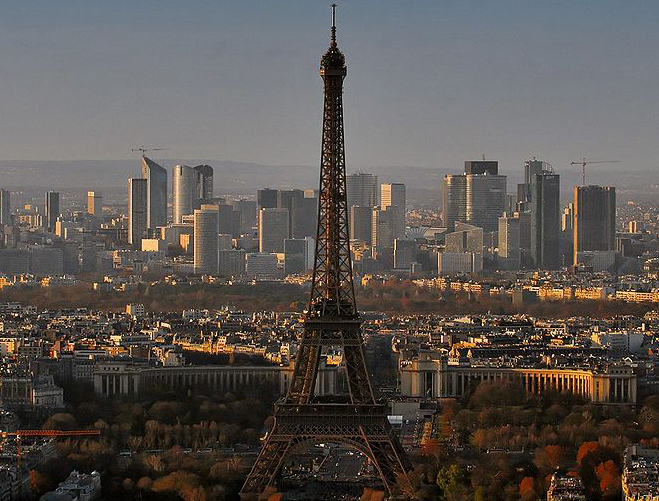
(303, 418)
(333, 30)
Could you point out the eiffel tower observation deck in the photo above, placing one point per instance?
(354, 419)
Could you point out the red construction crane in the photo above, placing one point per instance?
(19, 434)
(583, 162)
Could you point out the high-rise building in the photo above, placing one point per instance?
(191, 186)
(295, 256)
(465, 238)
(392, 197)
(137, 210)
(454, 199)
(206, 239)
(361, 223)
(545, 220)
(94, 204)
(531, 168)
(266, 198)
(486, 200)
(229, 220)
(156, 193)
(508, 245)
(490, 167)
(224, 241)
(594, 219)
(5, 207)
(285, 199)
(247, 211)
(204, 182)
(478, 199)
(567, 218)
(185, 191)
(459, 262)
(382, 228)
(273, 229)
(362, 190)
(261, 266)
(232, 262)
(52, 210)
(404, 251)
(304, 213)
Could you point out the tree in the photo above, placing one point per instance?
(144, 483)
(60, 421)
(549, 457)
(609, 477)
(527, 489)
(585, 449)
(40, 483)
(450, 477)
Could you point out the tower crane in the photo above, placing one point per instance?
(19, 434)
(144, 149)
(583, 162)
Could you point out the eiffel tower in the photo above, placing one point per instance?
(355, 419)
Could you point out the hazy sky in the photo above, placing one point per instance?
(430, 82)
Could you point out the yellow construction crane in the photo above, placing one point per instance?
(583, 162)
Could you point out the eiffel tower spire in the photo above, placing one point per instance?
(303, 418)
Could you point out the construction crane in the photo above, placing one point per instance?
(19, 434)
(583, 162)
(144, 149)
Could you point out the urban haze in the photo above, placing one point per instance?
(298, 251)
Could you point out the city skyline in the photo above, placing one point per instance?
(262, 335)
(556, 81)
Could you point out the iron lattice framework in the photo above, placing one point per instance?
(355, 419)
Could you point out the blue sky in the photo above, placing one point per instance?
(430, 83)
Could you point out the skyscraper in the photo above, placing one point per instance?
(137, 210)
(490, 167)
(304, 212)
(594, 219)
(206, 239)
(52, 210)
(5, 207)
(392, 197)
(361, 223)
(273, 229)
(486, 200)
(454, 199)
(382, 228)
(266, 198)
(156, 193)
(509, 247)
(545, 220)
(404, 251)
(185, 191)
(94, 204)
(477, 199)
(465, 238)
(362, 190)
(285, 200)
(247, 211)
(531, 168)
(228, 220)
(295, 256)
(204, 181)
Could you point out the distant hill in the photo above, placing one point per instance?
(246, 178)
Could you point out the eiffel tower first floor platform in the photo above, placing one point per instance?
(298, 427)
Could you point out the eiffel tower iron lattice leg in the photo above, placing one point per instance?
(355, 419)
